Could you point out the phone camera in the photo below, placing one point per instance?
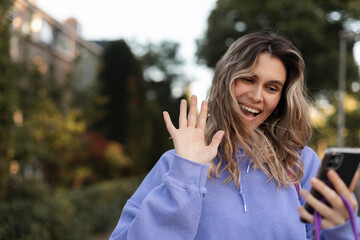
(335, 161)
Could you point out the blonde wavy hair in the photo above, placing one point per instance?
(274, 146)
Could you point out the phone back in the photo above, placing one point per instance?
(345, 161)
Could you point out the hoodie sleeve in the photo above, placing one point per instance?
(311, 165)
(342, 232)
(168, 203)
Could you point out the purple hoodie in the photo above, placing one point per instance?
(177, 201)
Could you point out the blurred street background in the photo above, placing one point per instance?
(83, 85)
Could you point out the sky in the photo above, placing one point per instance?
(143, 21)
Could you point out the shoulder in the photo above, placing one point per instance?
(308, 154)
(311, 162)
(309, 157)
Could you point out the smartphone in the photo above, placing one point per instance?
(345, 161)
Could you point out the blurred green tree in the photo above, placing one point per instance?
(8, 98)
(137, 89)
(324, 119)
(44, 131)
(122, 83)
(123, 116)
(35, 130)
(165, 86)
(312, 25)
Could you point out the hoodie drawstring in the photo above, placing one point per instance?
(248, 167)
(242, 195)
(243, 198)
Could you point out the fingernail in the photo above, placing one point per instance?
(314, 180)
(303, 192)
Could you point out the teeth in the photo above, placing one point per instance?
(249, 109)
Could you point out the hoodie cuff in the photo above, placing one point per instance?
(187, 172)
(341, 232)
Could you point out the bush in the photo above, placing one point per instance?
(34, 211)
(31, 211)
(100, 205)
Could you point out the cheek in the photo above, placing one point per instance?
(238, 89)
(273, 102)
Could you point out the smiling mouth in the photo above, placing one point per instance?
(249, 111)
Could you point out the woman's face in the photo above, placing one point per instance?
(259, 93)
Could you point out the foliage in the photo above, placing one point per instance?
(103, 160)
(44, 132)
(33, 211)
(324, 119)
(122, 83)
(100, 205)
(47, 144)
(123, 117)
(48, 135)
(137, 90)
(35, 129)
(312, 25)
(165, 86)
(55, 143)
(29, 212)
(50, 130)
(8, 97)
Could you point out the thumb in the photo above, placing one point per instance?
(354, 181)
(216, 140)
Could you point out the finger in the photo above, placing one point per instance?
(329, 194)
(215, 141)
(203, 116)
(336, 181)
(169, 125)
(354, 181)
(310, 218)
(341, 187)
(182, 116)
(305, 214)
(325, 223)
(192, 112)
(320, 207)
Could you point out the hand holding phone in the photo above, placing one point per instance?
(345, 161)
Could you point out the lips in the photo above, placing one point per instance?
(249, 111)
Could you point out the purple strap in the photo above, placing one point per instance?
(317, 220)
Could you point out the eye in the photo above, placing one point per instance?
(273, 89)
(249, 80)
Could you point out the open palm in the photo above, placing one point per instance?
(189, 138)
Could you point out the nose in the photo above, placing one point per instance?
(256, 94)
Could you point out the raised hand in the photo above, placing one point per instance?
(189, 139)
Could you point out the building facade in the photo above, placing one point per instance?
(53, 47)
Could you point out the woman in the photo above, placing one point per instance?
(235, 172)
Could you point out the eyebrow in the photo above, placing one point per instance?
(276, 82)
